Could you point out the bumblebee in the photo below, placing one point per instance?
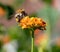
(20, 14)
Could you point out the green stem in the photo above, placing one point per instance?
(32, 45)
(40, 49)
(32, 40)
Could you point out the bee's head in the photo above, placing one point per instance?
(20, 14)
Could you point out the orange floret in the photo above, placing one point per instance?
(27, 22)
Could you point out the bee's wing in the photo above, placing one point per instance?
(13, 15)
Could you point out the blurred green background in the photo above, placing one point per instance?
(48, 10)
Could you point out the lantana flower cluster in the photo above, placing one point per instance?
(32, 22)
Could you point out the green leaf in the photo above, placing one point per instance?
(2, 29)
